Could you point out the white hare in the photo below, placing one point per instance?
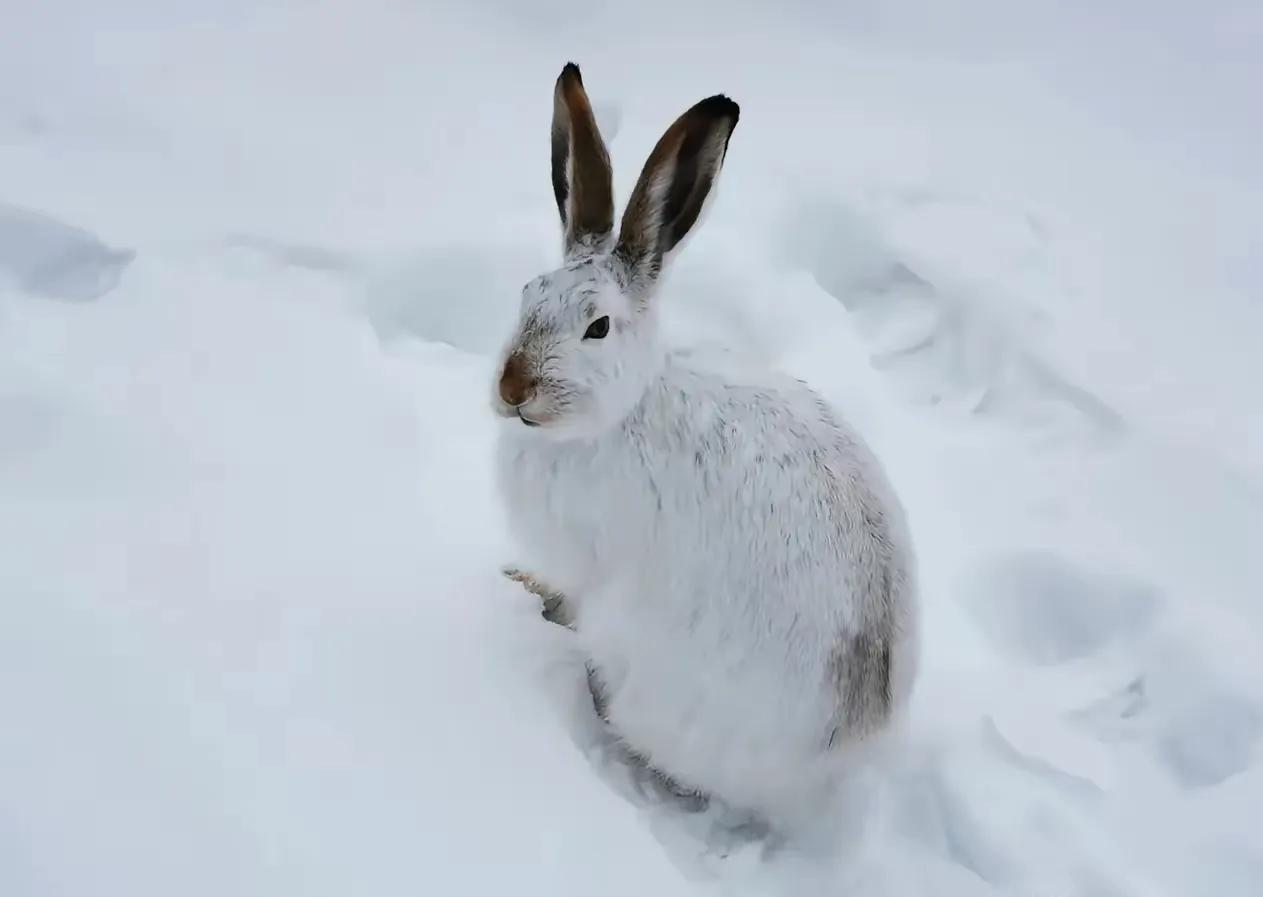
(731, 555)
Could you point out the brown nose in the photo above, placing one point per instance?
(517, 386)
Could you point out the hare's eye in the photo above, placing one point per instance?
(598, 328)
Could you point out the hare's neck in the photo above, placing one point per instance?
(649, 414)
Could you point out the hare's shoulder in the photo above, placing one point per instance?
(713, 394)
(733, 421)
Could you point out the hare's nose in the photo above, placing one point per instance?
(517, 386)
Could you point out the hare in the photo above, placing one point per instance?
(732, 557)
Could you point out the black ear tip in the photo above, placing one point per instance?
(570, 71)
(720, 106)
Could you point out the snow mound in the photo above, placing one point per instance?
(47, 257)
(946, 337)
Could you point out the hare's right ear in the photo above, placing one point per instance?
(582, 180)
(673, 187)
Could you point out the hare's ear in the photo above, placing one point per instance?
(673, 186)
(582, 180)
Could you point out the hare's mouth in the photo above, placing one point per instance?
(509, 412)
(526, 420)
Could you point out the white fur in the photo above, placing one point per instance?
(709, 570)
(722, 538)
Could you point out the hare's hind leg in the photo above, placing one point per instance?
(648, 779)
(597, 689)
(655, 782)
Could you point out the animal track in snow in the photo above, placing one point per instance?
(1210, 740)
(1199, 729)
(1040, 607)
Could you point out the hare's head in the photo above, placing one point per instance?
(586, 348)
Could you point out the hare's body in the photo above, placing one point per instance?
(737, 570)
(735, 563)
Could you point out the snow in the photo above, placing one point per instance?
(41, 255)
(253, 636)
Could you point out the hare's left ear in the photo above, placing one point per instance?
(582, 180)
(673, 187)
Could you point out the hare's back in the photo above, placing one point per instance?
(755, 472)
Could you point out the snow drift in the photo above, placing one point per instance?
(253, 635)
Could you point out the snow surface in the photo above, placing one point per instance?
(253, 638)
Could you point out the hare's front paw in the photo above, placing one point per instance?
(555, 608)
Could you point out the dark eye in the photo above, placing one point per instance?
(598, 328)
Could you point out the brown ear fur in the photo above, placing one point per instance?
(674, 184)
(582, 179)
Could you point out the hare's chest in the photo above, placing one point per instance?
(570, 508)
